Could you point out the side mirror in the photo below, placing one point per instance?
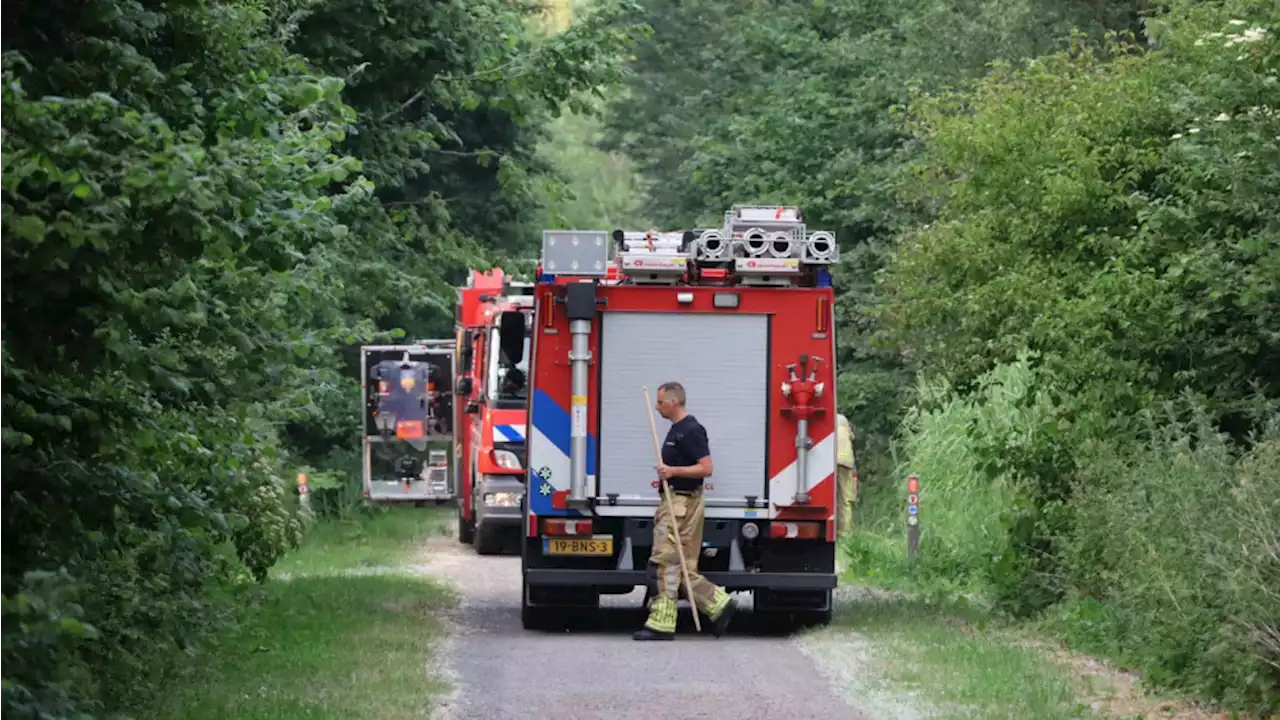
(464, 387)
(511, 335)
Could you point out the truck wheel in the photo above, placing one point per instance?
(488, 541)
(466, 530)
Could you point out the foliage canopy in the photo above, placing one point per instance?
(204, 204)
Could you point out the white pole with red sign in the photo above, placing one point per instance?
(913, 517)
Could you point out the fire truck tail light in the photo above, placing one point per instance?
(561, 526)
(821, 324)
(548, 311)
(795, 530)
(506, 459)
(725, 300)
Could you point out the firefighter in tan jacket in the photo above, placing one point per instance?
(846, 475)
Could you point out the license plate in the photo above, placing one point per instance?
(592, 547)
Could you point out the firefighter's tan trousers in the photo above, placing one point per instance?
(709, 598)
(846, 495)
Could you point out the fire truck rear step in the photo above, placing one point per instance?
(732, 581)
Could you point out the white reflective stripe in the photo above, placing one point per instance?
(508, 433)
(821, 465)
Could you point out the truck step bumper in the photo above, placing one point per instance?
(637, 578)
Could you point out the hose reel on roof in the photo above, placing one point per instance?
(821, 247)
(780, 244)
(712, 246)
(755, 242)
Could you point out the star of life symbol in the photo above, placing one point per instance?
(544, 488)
(544, 472)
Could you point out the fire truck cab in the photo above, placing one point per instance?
(493, 317)
(741, 316)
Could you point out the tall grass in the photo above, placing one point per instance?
(965, 504)
(1160, 549)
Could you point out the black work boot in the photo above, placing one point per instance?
(645, 633)
(720, 624)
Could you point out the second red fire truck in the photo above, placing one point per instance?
(741, 315)
(493, 316)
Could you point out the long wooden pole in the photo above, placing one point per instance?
(671, 513)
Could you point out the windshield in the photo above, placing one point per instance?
(508, 384)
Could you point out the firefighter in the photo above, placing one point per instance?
(846, 475)
(686, 461)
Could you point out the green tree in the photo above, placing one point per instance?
(800, 103)
(450, 98)
(1112, 216)
(198, 221)
(165, 250)
(1108, 209)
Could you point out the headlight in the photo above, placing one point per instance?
(502, 499)
(506, 459)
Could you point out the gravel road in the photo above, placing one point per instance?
(499, 670)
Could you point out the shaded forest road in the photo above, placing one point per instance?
(499, 670)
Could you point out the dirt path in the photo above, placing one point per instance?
(499, 670)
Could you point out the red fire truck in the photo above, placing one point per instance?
(741, 315)
(492, 318)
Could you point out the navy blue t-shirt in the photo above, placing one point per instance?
(685, 445)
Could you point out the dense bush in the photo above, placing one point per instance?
(161, 225)
(1165, 554)
(1173, 562)
(1109, 214)
(192, 242)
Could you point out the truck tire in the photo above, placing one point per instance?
(466, 529)
(488, 541)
